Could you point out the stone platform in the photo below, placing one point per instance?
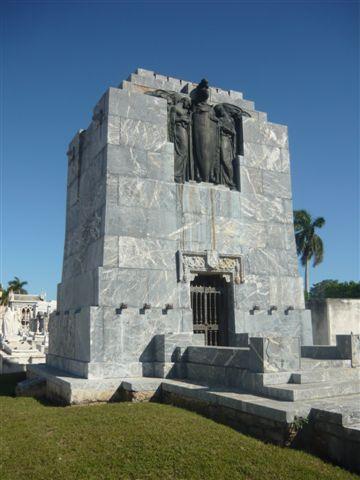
(321, 418)
(68, 389)
(314, 405)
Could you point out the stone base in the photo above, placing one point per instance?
(95, 370)
(275, 430)
(67, 389)
(327, 427)
(316, 414)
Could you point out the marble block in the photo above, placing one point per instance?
(274, 354)
(349, 347)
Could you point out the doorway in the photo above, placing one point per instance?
(209, 303)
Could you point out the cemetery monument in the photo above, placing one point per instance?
(180, 268)
(179, 222)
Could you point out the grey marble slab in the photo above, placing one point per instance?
(274, 354)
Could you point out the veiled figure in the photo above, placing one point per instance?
(204, 134)
(206, 138)
(179, 132)
(180, 135)
(227, 147)
(230, 132)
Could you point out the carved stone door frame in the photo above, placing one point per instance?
(190, 264)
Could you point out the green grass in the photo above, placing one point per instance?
(136, 441)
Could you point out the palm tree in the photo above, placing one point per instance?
(4, 297)
(17, 286)
(308, 244)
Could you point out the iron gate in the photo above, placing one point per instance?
(208, 312)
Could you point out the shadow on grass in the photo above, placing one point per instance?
(8, 382)
(45, 402)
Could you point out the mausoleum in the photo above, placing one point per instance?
(165, 236)
(180, 269)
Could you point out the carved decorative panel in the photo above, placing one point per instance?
(192, 263)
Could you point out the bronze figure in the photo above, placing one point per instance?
(207, 139)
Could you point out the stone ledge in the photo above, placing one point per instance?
(321, 352)
(218, 356)
(236, 399)
(276, 432)
(68, 389)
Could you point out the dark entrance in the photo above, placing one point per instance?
(209, 303)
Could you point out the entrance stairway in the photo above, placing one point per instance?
(228, 367)
(321, 398)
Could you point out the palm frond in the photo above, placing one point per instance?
(300, 240)
(302, 219)
(17, 285)
(319, 222)
(4, 298)
(318, 249)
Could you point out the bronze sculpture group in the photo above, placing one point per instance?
(207, 138)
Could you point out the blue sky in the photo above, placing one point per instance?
(299, 61)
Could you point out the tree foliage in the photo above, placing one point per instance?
(335, 289)
(15, 285)
(308, 243)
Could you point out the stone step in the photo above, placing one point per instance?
(235, 399)
(285, 386)
(312, 363)
(343, 411)
(326, 352)
(237, 357)
(231, 376)
(354, 426)
(310, 391)
(268, 419)
(319, 375)
(269, 378)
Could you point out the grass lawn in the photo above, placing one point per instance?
(136, 441)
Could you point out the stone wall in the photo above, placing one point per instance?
(320, 434)
(334, 316)
(269, 430)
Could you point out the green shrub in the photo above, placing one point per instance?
(335, 289)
